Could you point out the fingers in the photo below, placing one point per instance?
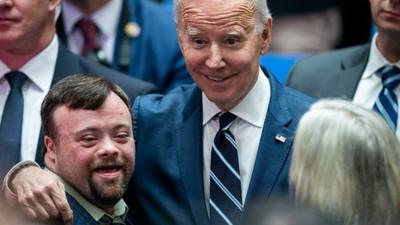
(41, 196)
(60, 201)
(37, 202)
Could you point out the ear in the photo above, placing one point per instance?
(50, 152)
(53, 4)
(266, 35)
(180, 38)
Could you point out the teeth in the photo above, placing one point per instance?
(216, 78)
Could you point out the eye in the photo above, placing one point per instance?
(198, 42)
(122, 137)
(232, 41)
(88, 140)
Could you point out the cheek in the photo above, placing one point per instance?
(193, 58)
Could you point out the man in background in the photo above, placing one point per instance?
(136, 37)
(367, 74)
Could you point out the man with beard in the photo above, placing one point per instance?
(90, 147)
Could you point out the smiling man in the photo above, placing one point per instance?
(89, 146)
(207, 151)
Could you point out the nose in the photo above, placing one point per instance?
(215, 59)
(5, 3)
(108, 148)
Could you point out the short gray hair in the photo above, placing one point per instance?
(346, 163)
(262, 12)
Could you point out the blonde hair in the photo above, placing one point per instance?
(346, 164)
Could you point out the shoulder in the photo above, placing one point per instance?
(132, 86)
(298, 102)
(331, 59)
(173, 102)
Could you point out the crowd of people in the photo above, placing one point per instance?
(128, 112)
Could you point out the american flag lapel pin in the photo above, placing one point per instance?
(280, 138)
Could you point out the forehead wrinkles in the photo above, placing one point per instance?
(241, 15)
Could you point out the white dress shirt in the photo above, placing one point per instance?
(106, 19)
(370, 85)
(247, 129)
(39, 70)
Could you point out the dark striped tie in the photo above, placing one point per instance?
(386, 104)
(11, 122)
(225, 190)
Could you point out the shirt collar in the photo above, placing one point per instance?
(376, 60)
(106, 19)
(121, 209)
(39, 69)
(249, 109)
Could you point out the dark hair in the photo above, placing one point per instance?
(79, 91)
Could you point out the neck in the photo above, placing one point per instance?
(89, 7)
(389, 45)
(15, 58)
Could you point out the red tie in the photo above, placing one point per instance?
(89, 31)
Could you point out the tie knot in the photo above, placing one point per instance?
(89, 32)
(16, 79)
(107, 220)
(390, 76)
(225, 120)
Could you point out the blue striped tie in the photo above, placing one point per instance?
(225, 190)
(386, 104)
(11, 122)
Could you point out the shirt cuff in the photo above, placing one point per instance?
(9, 195)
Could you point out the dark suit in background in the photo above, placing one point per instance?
(153, 55)
(332, 74)
(167, 185)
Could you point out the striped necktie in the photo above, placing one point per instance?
(225, 187)
(386, 104)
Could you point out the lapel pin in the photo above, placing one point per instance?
(132, 29)
(280, 138)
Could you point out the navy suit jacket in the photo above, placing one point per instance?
(68, 63)
(332, 74)
(154, 55)
(82, 217)
(167, 185)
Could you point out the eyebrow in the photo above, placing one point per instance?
(192, 31)
(235, 33)
(94, 129)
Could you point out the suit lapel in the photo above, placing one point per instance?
(81, 216)
(190, 155)
(272, 154)
(352, 70)
(348, 75)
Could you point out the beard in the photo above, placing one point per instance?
(109, 192)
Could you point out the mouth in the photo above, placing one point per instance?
(392, 13)
(218, 78)
(108, 172)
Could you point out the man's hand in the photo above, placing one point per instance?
(41, 195)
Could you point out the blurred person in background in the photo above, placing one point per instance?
(315, 25)
(367, 74)
(136, 37)
(345, 164)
